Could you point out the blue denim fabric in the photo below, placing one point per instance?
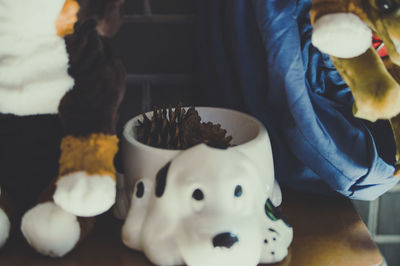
(256, 56)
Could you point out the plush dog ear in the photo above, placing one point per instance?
(161, 180)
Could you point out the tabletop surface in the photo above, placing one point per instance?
(327, 231)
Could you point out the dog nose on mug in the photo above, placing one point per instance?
(226, 240)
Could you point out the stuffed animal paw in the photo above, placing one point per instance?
(41, 226)
(87, 183)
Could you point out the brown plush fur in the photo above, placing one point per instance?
(385, 26)
(374, 90)
(325, 7)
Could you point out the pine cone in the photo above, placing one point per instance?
(179, 129)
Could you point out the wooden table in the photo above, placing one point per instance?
(327, 231)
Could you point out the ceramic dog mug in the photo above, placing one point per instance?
(204, 206)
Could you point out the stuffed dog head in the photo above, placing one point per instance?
(206, 207)
(344, 29)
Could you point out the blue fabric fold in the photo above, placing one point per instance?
(257, 57)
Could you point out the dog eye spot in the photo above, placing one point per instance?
(272, 253)
(386, 6)
(140, 189)
(198, 195)
(266, 241)
(238, 191)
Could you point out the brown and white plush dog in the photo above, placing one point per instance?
(344, 29)
(53, 60)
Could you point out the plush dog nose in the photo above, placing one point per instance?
(226, 240)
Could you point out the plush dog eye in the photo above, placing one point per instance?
(386, 6)
(140, 189)
(238, 191)
(198, 194)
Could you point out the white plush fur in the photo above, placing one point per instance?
(85, 195)
(4, 228)
(34, 60)
(50, 230)
(342, 35)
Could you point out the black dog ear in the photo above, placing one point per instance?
(161, 180)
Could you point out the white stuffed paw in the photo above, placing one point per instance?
(4, 227)
(342, 35)
(50, 230)
(85, 195)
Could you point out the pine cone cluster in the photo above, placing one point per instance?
(180, 129)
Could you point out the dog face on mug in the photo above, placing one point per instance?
(206, 207)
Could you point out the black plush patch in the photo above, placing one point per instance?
(139, 189)
(161, 180)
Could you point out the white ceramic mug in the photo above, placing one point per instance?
(140, 160)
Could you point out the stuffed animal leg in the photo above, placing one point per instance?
(86, 184)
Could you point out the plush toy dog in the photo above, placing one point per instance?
(77, 77)
(344, 30)
(202, 209)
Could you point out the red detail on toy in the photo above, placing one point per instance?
(379, 46)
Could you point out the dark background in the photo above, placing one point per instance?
(156, 45)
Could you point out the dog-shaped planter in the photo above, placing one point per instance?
(208, 207)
